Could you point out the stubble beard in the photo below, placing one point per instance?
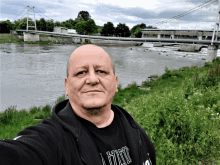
(94, 111)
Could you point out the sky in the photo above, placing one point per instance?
(129, 12)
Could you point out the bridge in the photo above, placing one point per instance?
(163, 36)
(190, 41)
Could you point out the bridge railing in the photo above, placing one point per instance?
(208, 42)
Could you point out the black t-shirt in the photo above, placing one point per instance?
(111, 141)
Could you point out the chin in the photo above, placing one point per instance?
(91, 104)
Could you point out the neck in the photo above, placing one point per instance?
(100, 117)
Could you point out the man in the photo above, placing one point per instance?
(86, 129)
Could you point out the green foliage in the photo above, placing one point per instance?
(34, 110)
(87, 41)
(141, 26)
(62, 98)
(6, 26)
(49, 25)
(86, 27)
(7, 115)
(12, 40)
(41, 24)
(108, 29)
(180, 113)
(57, 23)
(46, 109)
(122, 30)
(180, 129)
(81, 27)
(84, 15)
(138, 32)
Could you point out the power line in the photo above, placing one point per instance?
(42, 13)
(181, 15)
(19, 13)
(187, 12)
(39, 14)
(25, 13)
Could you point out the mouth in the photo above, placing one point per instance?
(93, 91)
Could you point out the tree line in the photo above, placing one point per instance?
(83, 24)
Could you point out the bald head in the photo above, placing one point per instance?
(88, 49)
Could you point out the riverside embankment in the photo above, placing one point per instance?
(66, 40)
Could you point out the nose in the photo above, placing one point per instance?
(92, 78)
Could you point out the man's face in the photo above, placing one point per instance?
(91, 82)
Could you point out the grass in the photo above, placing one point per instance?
(178, 110)
(21, 41)
(13, 121)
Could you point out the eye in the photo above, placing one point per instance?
(80, 72)
(100, 71)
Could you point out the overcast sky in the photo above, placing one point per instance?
(130, 12)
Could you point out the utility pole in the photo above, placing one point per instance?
(216, 28)
(30, 20)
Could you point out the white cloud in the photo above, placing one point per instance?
(83, 6)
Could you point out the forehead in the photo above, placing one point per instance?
(89, 55)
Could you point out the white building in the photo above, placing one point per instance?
(71, 31)
(59, 29)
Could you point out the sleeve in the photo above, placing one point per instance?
(35, 145)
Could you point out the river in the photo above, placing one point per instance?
(33, 75)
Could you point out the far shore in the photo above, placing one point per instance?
(48, 39)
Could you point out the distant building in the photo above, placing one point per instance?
(71, 31)
(178, 34)
(59, 29)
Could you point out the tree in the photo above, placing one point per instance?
(108, 29)
(138, 32)
(84, 15)
(86, 27)
(72, 22)
(41, 25)
(81, 27)
(151, 27)
(6, 26)
(49, 25)
(143, 26)
(122, 30)
(91, 27)
(57, 23)
(67, 24)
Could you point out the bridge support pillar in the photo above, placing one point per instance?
(212, 53)
(76, 40)
(31, 37)
(172, 36)
(159, 35)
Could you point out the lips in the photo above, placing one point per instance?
(93, 91)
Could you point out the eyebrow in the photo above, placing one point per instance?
(96, 66)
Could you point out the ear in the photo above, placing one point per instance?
(116, 77)
(66, 85)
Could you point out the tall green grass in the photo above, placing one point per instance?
(13, 121)
(180, 112)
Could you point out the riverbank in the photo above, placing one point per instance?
(178, 110)
(49, 39)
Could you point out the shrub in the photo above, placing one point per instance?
(182, 131)
(34, 110)
(46, 109)
(7, 116)
(62, 98)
